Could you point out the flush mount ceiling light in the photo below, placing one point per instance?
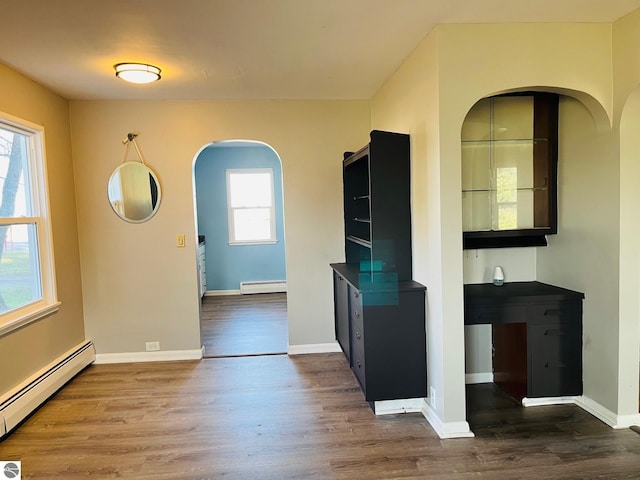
(137, 72)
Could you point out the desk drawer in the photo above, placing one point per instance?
(564, 312)
(483, 315)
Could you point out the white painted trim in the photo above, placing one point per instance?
(445, 429)
(607, 416)
(161, 356)
(220, 293)
(480, 377)
(541, 401)
(405, 405)
(332, 347)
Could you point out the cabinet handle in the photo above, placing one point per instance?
(554, 365)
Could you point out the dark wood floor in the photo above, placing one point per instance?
(244, 324)
(280, 417)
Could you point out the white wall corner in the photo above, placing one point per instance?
(161, 356)
(332, 347)
(445, 429)
(607, 416)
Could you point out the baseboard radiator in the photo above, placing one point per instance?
(20, 401)
(265, 286)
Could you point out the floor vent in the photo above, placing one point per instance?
(265, 286)
(19, 402)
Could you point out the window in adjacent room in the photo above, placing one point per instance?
(27, 280)
(250, 206)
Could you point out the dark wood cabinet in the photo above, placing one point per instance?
(537, 336)
(386, 330)
(379, 309)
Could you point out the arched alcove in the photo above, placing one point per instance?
(580, 256)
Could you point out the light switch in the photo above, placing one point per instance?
(180, 240)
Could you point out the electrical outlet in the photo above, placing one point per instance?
(152, 346)
(432, 396)
(180, 240)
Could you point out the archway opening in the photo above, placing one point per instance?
(239, 212)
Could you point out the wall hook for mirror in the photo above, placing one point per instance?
(127, 141)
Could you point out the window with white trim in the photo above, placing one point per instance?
(27, 278)
(251, 210)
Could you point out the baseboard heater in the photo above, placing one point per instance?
(20, 401)
(265, 286)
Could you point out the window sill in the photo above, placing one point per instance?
(21, 317)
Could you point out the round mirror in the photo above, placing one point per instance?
(134, 192)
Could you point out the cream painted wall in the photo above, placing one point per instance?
(137, 285)
(27, 350)
(626, 68)
(583, 255)
(429, 96)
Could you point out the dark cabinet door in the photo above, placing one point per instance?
(341, 305)
(555, 359)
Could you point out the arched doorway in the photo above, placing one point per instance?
(240, 222)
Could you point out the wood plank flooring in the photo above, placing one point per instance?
(280, 417)
(235, 325)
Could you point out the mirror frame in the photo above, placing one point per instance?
(152, 176)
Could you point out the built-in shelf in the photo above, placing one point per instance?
(509, 171)
(379, 310)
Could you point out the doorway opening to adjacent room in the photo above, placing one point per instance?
(239, 215)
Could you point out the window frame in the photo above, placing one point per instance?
(230, 210)
(41, 219)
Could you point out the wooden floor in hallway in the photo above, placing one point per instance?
(237, 325)
(295, 417)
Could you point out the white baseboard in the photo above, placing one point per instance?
(445, 429)
(20, 401)
(332, 347)
(607, 416)
(541, 401)
(161, 356)
(481, 377)
(406, 405)
(221, 293)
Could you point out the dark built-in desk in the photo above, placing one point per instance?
(537, 336)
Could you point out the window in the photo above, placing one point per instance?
(250, 206)
(27, 281)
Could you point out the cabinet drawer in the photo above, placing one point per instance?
(357, 358)
(567, 312)
(555, 359)
(355, 307)
(481, 315)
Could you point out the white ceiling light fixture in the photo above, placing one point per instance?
(137, 72)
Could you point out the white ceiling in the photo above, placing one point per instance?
(250, 49)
